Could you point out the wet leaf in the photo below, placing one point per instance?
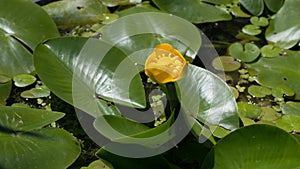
(226, 63)
(248, 110)
(255, 146)
(284, 30)
(259, 21)
(259, 91)
(194, 11)
(273, 72)
(255, 7)
(247, 53)
(23, 80)
(289, 123)
(70, 13)
(270, 51)
(251, 30)
(291, 108)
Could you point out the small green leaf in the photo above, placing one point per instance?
(251, 30)
(23, 80)
(270, 51)
(259, 21)
(289, 123)
(247, 53)
(259, 91)
(291, 108)
(281, 91)
(255, 7)
(248, 110)
(226, 63)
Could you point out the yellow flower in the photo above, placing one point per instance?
(165, 64)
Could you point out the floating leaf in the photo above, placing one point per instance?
(143, 7)
(285, 30)
(282, 91)
(5, 89)
(194, 11)
(269, 114)
(274, 5)
(255, 7)
(273, 72)
(251, 30)
(270, 51)
(238, 12)
(259, 91)
(289, 123)
(70, 13)
(255, 146)
(112, 3)
(226, 63)
(235, 92)
(259, 21)
(247, 53)
(18, 38)
(61, 64)
(248, 110)
(23, 80)
(291, 108)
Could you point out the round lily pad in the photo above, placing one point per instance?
(270, 51)
(259, 91)
(23, 80)
(281, 91)
(259, 21)
(289, 123)
(251, 30)
(249, 110)
(226, 63)
(247, 53)
(291, 108)
(269, 114)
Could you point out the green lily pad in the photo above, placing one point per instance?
(246, 121)
(289, 123)
(23, 25)
(270, 51)
(281, 91)
(23, 80)
(143, 7)
(269, 114)
(259, 21)
(112, 3)
(291, 108)
(259, 91)
(247, 53)
(255, 146)
(219, 132)
(235, 92)
(35, 93)
(20, 105)
(274, 5)
(255, 7)
(249, 110)
(273, 72)
(238, 12)
(70, 13)
(99, 164)
(251, 30)
(285, 30)
(195, 11)
(226, 63)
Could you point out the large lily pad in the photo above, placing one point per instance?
(79, 70)
(24, 147)
(70, 13)
(284, 30)
(139, 33)
(23, 25)
(255, 146)
(274, 5)
(205, 96)
(281, 70)
(195, 11)
(247, 53)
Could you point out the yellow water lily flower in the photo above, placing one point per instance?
(165, 64)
